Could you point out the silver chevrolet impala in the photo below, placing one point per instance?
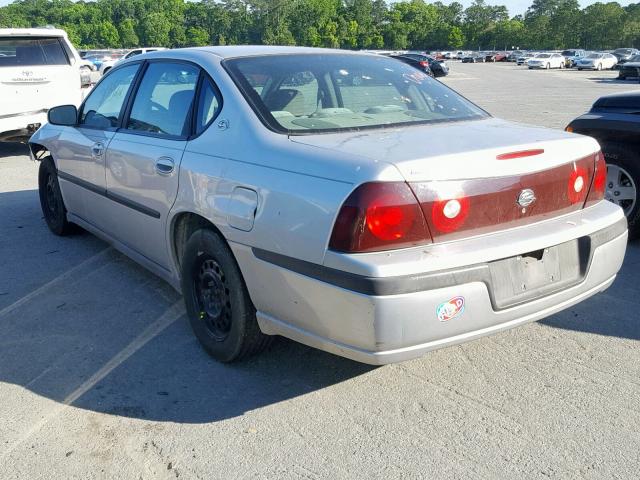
(344, 200)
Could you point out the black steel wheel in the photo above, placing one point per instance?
(51, 201)
(218, 304)
(212, 297)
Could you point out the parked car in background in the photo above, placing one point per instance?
(597, 61)
(526, 57)
(39, 68)
(438, 68)
(495, 57)
(422, 65)
(614, 122)
(288, 191)
(546, 61)
(99, 58)
(513, 56)
(624, 54)
(108, 64)
(572, 56)
(630, 69)
(474, 57)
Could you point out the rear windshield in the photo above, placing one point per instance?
(31, 52)
(331, 92)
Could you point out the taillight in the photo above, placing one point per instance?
(577, 186)
(448, 215)
(379, 216)
(596, 193)
(424, 64)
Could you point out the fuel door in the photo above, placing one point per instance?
(242, 207)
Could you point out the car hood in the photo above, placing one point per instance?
(458, 150)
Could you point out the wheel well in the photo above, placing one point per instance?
(183, 227)
(38, 151)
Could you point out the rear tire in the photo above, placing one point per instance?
(599, 67)
(548, 66)
(51, 201)
(627, 175)
(220, 310)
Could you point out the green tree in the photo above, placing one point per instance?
(128, 36)
(155, 30)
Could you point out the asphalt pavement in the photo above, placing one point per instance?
(101, 377)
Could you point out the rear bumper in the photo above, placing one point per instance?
(390, 317)
(21, 126)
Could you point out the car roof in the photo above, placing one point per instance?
(234, 51)
(32, 32)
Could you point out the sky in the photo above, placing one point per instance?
(516, 7)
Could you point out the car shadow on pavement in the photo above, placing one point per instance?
(13, 149)
(601, 314)
(83, 325)
(613, 81)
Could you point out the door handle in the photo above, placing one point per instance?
(97, 149)
(165, 165)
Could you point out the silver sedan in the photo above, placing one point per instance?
(344, 200)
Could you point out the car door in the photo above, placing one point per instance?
(80, 149)
(143, 158)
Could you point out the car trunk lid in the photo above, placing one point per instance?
(498, 174)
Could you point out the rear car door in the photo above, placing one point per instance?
(80, 150)
(143, 158)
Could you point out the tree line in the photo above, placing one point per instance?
(351, 24)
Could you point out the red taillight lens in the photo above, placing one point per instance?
(379, 216)
(424, 64)
(596, 193)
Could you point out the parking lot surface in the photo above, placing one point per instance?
(101, 377)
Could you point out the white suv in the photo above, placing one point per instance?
(39, 68)
(109, 64)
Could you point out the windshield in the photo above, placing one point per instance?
(543, 55)
(332, 92)
(594, 55)
(623, 51)
(635, 58)
(568, 53)
(31, 52)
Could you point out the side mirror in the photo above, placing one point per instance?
(66, 115)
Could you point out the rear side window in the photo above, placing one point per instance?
(209, 104)
(102, 108)
(31, 52)
(163, 102)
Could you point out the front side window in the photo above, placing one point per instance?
(103, 106)
(31, 52)
(332, 92)
(163, 102)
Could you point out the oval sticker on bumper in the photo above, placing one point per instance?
(451, 309)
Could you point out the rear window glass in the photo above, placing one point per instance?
(330, 92)
(31, 52)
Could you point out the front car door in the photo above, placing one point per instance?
(80, 149)
(144, 156)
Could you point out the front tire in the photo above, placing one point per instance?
(220, 310)
(548, 66)
(599, 67)
(623, 182)
(51, 201)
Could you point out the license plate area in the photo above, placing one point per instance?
(536, 274)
